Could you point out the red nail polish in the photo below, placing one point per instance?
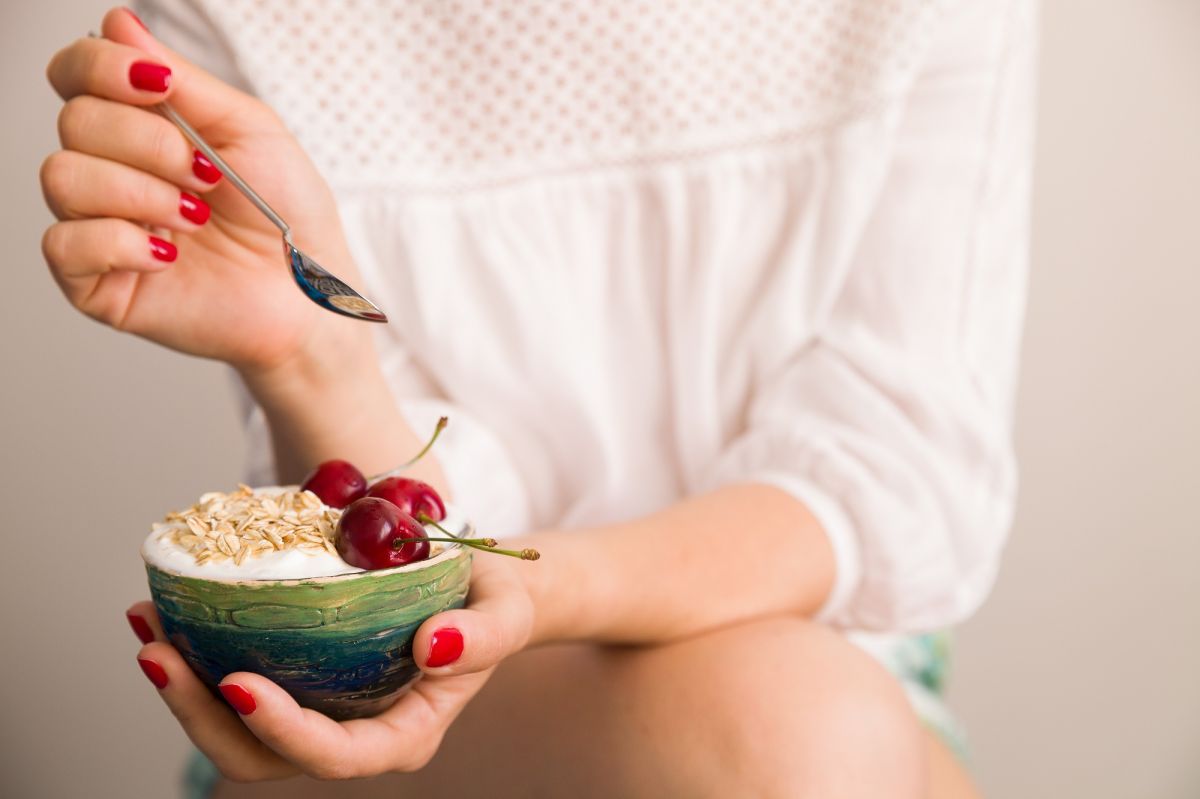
(154, 671)
(193, 208)
(204, 169)
(140, 628)
(137, 19)
(239, 698)
(445, 647)
(149, 77)
(163, 251)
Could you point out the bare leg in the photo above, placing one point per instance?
(947, 778)
(773, 708)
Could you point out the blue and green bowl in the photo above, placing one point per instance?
(341, 645)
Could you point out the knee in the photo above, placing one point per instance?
(811, 715)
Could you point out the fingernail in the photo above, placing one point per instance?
(163, 251)
(445, 647)
(149, 77)
(154, 671)
(239, 698)
(193, 208)
(204, 169)
(140, 628)
(137, 19)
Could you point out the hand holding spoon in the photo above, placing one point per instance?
(319, 285)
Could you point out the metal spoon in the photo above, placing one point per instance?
(319, 285)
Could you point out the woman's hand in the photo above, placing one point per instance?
(271, 737)
(210, 285)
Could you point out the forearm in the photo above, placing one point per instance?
(741, 552)
(345, 410)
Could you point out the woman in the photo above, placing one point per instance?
(729, 292)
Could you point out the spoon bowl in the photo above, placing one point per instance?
(326, 290)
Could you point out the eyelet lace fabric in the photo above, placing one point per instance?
(440, 93)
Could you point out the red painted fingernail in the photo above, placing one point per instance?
(137, 19)
(149, 77)
(239, 697)
(193, 208)
(140, 628)
(204, 169)
(154, 671)
(163, 251)
(445, 647)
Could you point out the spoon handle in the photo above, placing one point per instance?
(234, 178)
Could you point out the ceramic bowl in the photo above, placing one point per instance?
(340, 645)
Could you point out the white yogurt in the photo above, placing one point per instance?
(289, 564)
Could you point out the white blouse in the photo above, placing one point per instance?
(638, 250)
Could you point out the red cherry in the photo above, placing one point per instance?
(367, 531)
(337, 483)
(415, 498)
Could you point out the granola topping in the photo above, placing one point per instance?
(246, 524)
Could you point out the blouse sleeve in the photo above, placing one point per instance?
(893, 424)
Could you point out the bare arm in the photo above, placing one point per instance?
(738, 553)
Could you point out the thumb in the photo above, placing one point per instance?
(496, 625)
(203, 99)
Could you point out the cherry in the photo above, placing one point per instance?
(374, 534)
(414, 497)
(337, 483)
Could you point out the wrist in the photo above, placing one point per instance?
(319, 408)
(562, 586)
(327, 351)
(303, 380)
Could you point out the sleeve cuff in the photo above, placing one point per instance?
(838, 529)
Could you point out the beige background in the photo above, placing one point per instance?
(1081, 677)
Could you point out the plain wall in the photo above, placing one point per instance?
(1080, 677)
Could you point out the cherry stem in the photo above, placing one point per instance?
(482, 544)
(485, 544)
(437, 431)
(424, 519)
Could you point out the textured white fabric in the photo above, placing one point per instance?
(638, 250)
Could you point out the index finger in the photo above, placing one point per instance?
(130, 66)
(202, 98)
(110, 70)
